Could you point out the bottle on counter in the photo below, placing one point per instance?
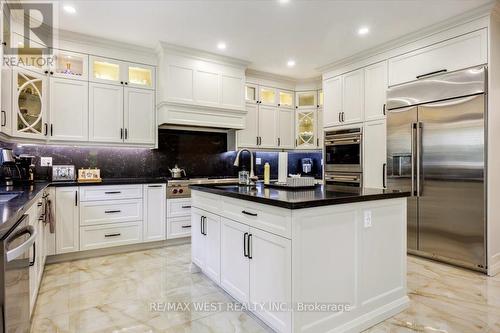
(243, 177)
(267, 173)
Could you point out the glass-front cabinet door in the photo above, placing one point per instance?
(285, 98)
(140, 76)
(30, 103)
(320, 98)
(106, 70)
(306, 99)
(70, 65)
(267, 96)
(306, 129)
(251, 93)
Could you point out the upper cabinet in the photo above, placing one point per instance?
(332, 109)
(453, 54)
(251, 93)
(306, 99)
(268, 96)
(106, 70)
(375, 91)
(286, 98)
(70, 65)
(353, 102)
(140, 76)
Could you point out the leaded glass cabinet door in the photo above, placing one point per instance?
(306, 129)
(30, 103)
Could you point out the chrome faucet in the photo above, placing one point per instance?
(237, 162)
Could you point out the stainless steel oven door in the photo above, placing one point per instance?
(16, 290)
(343, 152)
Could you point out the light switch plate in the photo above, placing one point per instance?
(45, 161)
(258, 161)
(368, 218)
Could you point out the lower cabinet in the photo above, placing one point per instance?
(374, 150)
(255, 266)
(155, 220)
(178, 218)
(206, 242)
(67, 219)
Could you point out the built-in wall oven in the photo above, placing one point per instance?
(343, 158)
(14, 276)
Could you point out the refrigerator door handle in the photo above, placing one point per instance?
(420, 187)
(413, 157)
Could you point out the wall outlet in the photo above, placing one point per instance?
(368, 218)
(258, 161)
(45, 161)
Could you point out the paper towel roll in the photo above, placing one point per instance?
(282, 166)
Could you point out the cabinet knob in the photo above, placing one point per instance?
(46, 72)
(51, 73)
(121, 82)
(4, 43)
(126, 83)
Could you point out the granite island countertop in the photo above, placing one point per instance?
(298, 199)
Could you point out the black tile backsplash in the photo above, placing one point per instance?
(201, 154)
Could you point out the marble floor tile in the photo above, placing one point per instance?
(120, 293)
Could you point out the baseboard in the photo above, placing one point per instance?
(374, 317)
(115, 250)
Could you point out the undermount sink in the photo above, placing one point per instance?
(7, 196)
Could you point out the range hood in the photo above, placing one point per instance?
(200, 89)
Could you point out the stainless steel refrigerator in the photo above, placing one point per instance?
(436, 148)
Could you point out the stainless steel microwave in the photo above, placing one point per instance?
(343, 150)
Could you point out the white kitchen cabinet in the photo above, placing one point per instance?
(29, 103)
(332, 109)
(251, 93)
(374, 151)
(105, 70)
(69, 65)
(306, 99)
(139, 116)
(268, 126)
(105, 113)
(110, 211)
(271, 255)
(353, 101)
(306, 124)
(268, 96)
(286, 128)
(320, 131)
(6, 102)
(235, 268)
(68, 110)
(206, 243)
(375, 91)
(286, 98)
(155, 220)
(248, 137)
(139, 76)
(453, 54)
(67, 217)
(107, 235)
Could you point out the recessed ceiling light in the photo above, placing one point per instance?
(290, 63)
(69, 9)
(221, 46)
(363, 31)
(284, 1)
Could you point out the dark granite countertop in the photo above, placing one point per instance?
(297, 199)
(12, 210)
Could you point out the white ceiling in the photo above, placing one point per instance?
(265, 32)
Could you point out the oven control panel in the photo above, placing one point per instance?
(178, 191)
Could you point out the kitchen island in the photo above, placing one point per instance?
(304, 261)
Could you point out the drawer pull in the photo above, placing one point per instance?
(112, 211)
(185, 226)
(248, 213)
(112, 235)
(113, 192)
(186, 207)
(431, 73)
(154, 185)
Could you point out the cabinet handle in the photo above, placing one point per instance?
(296, 143)
(245, 244)
(121, 133)
(384, 169)
(431, 73)
(279, 142)
(112, 211)
(248, 213)
(384, 110)
(205, 225)
(113, 192)
(201, 225)
(126, 133)
(250, 246)
(76, 198)
(279, 104)
(51, 129)
(4, 118)
(154, 185)
(185, 226)
(186, 207)
(113, 235)
(317, 142)
(340, 119)
(46, 129)
(32, 263)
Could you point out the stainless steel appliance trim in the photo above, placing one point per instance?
(461, 83)
(19, 250)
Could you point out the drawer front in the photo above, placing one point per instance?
(115, 192)
(268, 218)
(178, 207)
(112, 211)
(96, 237)
(178, 227)
(209, 202)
